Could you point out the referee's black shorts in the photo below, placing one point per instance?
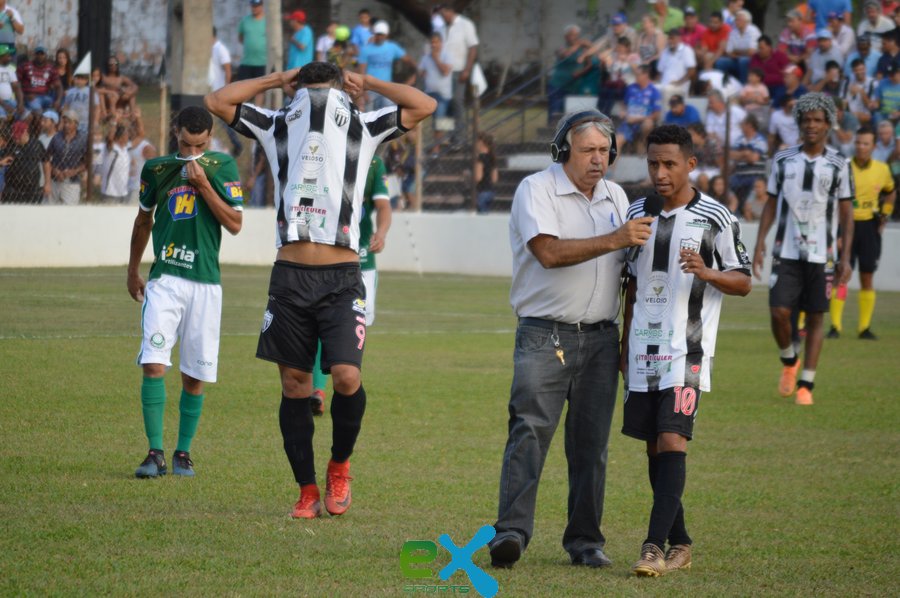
(308, 303)
(866, 245)
(803, 285)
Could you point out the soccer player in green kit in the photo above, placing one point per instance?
(186, 199)
(377, 199)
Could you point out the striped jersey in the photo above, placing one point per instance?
(319, 148)
(808, 190)
(675, 319)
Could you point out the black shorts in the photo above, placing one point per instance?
(866, 245)
(248, 71)
(308, 303)
(804, 285)
(647, 414)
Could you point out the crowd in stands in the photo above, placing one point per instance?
(44, 126)
(676, 67)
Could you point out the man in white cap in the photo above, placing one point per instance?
(377, 59)
(825, 52)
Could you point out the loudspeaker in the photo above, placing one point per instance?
(559, 148)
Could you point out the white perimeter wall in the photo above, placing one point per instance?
(84, 236)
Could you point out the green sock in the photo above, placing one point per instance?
(153, 404)
(190, 408)
(318, 377)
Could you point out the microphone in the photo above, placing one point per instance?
(653, 205)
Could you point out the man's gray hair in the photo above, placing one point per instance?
(815, 101)
(604, 125)
(744, 13)
(574, 28)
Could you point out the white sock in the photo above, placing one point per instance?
(808, 376)
(788, 353)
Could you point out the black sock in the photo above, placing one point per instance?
(297, 430)
(805, 384)
(346, 418)
(790, 361)
(668, 487)
(678, 534)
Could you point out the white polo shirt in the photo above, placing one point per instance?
(748, 40)
(674, 65)
(548, 203)
(459, 36)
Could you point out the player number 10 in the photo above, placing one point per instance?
(685, 399)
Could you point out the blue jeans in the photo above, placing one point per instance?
(484, 200)
(540, 389)
(736, 67)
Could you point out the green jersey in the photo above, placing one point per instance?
(376, 188)
(186, 234)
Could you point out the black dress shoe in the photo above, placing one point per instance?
(505, 553)
(592, 557)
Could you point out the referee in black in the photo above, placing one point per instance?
(319, 148)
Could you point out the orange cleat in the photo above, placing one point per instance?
(804, 396)
(308, 506)
(337, 488)
(788, 379)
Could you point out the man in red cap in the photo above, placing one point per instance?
(302, 43)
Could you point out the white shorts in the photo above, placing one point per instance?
(370, 280)
(176, 308)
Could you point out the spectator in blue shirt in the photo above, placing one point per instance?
(377, 59)
(642, 109)
(864, 52)
(301, 45)
(821, 8)
(680, 113)
(361, 32)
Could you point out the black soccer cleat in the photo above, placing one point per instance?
(153, 466)
(182, 464)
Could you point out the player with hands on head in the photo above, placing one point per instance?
(319, 148)
(185, 199)
(673, 300)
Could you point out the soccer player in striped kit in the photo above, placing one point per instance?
(319, 148)
(674, 296)
(811, 191)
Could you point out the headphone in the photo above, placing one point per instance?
(560, 148)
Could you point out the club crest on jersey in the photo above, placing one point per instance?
(359, 306)
(143, 188)
(314, 154)
(182, 202)
(341, 116)
(825, 183)
(158, 341)
(657, 295)
(267, 320)
(690, 244)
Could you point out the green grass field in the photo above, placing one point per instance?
(780, 500)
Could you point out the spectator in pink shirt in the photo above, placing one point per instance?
(693, 30)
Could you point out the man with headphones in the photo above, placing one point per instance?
(568, 235)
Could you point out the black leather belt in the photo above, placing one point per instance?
(578, 327)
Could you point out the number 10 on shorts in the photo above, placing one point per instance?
(360, 332)
(685, 399)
